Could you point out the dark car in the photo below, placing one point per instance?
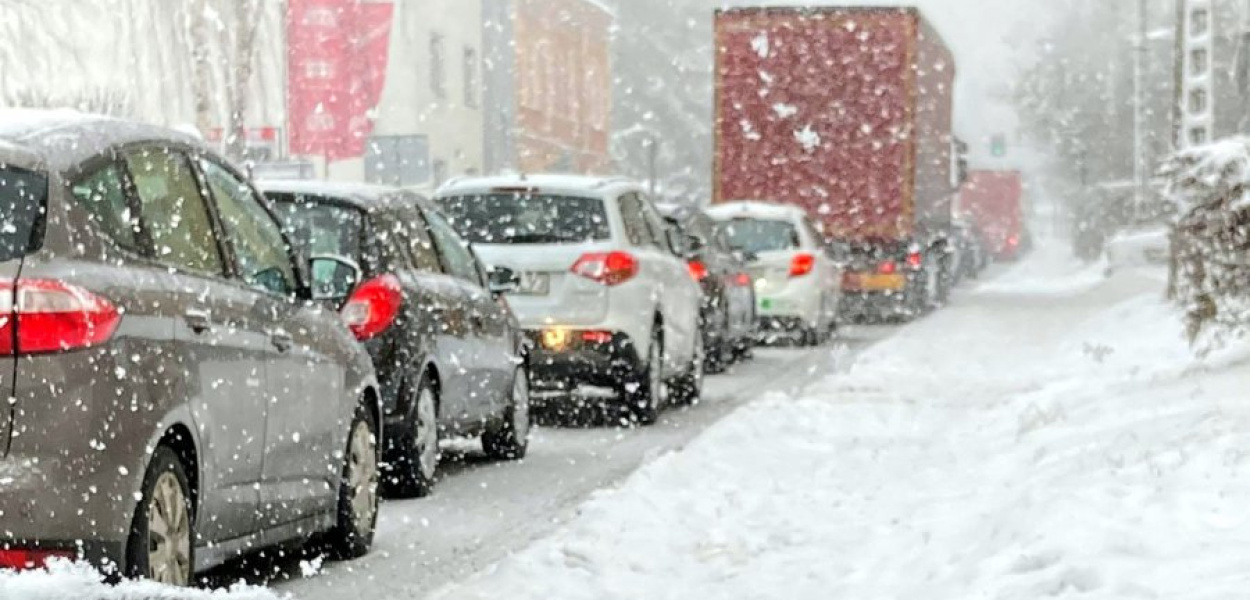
(176, 396)
(448, 351)
(727, 315)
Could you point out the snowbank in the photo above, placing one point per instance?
(1013, 446)
(66, 581)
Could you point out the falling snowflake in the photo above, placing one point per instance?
(808, 138)
(785, 111)
(760, 44)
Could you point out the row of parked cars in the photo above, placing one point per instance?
(197, 366)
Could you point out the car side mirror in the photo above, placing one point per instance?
(504, 281)
(333, 277)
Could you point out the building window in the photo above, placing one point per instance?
(1199, 22)
(401, 160)
(1198, 61)
(1197, 101)
(470, 77)
(1198, 136)
(438, 65)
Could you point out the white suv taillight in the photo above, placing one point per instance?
(372, 308)
(40, 316)
(608, 268)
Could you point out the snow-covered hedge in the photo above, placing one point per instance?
(69, 581)
(1210, 188)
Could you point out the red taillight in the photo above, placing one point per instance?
(915, 260)
(698, 270)
(743, 280)
(597, 337)
(39, 316)
(29, 559)
(1013, 241)
(802, 264)
(888, 267)
(608, 268)
(373, 307)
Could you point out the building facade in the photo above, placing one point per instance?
(549, 85)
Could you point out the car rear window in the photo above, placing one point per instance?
(758, 235)
(509, 218)
(319, 227)
(23, 196)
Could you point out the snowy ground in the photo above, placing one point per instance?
(1048, 435)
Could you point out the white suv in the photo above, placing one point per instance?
(798, 286)
(606, 300)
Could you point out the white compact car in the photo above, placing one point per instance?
(797, 283)
(601, 290)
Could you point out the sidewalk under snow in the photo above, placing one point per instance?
(1050, 434)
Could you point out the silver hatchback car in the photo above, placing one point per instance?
(175, 397)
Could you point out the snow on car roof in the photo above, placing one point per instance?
(542, 181)
(22, 122)
(753, 209)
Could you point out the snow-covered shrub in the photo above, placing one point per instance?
(1210, 276)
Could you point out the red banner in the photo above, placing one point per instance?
(336, 69)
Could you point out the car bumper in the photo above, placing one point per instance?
(563, 367)
(795, 302)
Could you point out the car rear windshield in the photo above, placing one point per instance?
(526, 219)
(756, 235)
(22, 199)
(321, 227)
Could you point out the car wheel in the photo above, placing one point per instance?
(415, 465)
(357, 513)
(162, 538)
(718, 351)
(645, 394)
(511, 439)
(687, 388)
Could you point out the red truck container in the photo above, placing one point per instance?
(994, 202)
(847, 113)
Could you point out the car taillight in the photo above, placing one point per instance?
(39, 316)
(802, 264)
(372, 308)
(1013, 241)
(888, 267)
(698, 270)
(915, 260)
(608, 268)
(743, 280)
(21, 559)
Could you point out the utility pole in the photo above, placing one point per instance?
(1139, 106)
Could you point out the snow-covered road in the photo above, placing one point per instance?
(483, 511)
(1048, 435)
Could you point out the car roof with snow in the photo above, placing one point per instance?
(753, 209)
(366, 196)
(63, 138)
(579, 185)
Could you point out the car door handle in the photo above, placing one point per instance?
(282, 340)
(200, 321)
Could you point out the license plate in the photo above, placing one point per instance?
(534, 284)
(874, 282)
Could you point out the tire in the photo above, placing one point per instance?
(356, 517)
(161, 546)
(689, 387)
(510, 440)
(414, 467)
(644, 395)
(718, 352)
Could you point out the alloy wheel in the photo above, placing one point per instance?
(362, 476)
(427, 433)
(169, 532)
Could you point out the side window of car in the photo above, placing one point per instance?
(635, 223)
(264, 261)
(655, 223)
(173, 211)
(457, 260)
(102, 193)
(424, 256)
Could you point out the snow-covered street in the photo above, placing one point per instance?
(1048, 435)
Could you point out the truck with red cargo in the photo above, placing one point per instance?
(847, 113)
(993, 201)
